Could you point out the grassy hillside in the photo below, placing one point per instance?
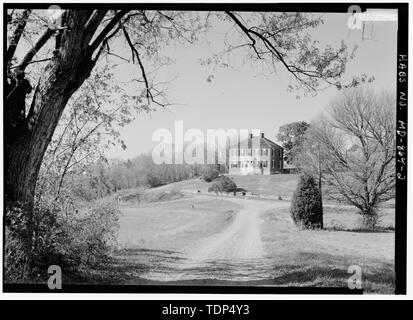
(173, 224)
(279, 185)
(276, 185)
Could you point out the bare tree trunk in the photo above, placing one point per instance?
(319, 187)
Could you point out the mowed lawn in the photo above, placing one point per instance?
(321, 258)
(173, 224)
(273, 186)
(171, 217)
(276, 185)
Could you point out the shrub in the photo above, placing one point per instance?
(29, 249)
(306, 206)
(16, 258)
(228, 184)
(91, 236)
(153, 180)
(215, 188)
(210, 174)
(223, 184)
(71, 240)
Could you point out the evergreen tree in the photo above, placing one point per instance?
(306, 207)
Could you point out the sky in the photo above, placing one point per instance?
(245, 98)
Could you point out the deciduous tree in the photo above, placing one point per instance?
(67, 49)
(291, 136)
(357, 146)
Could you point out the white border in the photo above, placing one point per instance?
(147, 296)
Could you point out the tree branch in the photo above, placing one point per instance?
(253, 35)
(15, 38)
(135, 53)
(92, 24)
(246, 31)
(32, 52)
(101, 37)
(37, 61)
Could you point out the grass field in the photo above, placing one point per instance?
(276, 185)
(172, 224)
(321, 258)
(159, 225)
(273, 186)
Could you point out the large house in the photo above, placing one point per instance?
(255, 155)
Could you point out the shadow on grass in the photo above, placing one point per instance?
(324, 270)
(302, 270)
(389, 229)
(124, 266)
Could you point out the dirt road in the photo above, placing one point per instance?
(241, 240)
(234, 253)
(208, 240)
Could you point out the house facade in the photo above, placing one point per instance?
(256, 155)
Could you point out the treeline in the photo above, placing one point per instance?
(107, 177)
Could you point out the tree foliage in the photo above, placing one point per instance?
(87, 128)
(291, 136)
(63, 105)
(223, 184)
(57, 55)
(106, 177)
(210, 174)
(283, 39)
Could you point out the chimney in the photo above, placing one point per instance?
(262, 134)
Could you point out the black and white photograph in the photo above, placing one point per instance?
(205, 148)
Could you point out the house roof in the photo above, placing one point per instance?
(262, 141)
